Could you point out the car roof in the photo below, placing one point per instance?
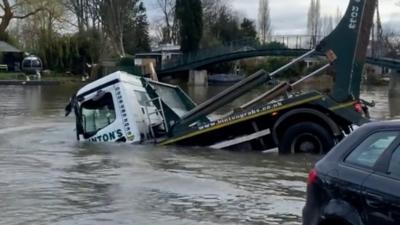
(380, 125)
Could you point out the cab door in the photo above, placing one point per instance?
(382, 192)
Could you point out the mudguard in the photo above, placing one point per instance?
(315, 113)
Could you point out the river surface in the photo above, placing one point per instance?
(46, 177)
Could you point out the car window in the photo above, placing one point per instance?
(394, 167)
(369, 151)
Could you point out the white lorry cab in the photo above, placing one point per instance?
(117, 108)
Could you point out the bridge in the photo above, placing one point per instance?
(288, 45)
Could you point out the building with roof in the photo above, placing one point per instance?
(159, 56)
(10, 57)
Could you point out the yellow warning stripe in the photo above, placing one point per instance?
(217, 127)
(345, 105)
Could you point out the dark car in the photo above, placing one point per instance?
(358, 182)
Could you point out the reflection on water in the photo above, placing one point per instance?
(48, 178)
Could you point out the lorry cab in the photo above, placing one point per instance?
(117, 108)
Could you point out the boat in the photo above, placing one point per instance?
(225, 78)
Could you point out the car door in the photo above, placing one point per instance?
(358, 164)
(382, 192)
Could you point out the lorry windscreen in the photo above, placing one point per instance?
(97, 114)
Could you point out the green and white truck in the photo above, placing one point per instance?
(126, 108)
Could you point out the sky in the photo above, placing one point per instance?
(290, 16)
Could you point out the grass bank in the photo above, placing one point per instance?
(60, 77)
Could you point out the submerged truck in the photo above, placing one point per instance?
(133, 109)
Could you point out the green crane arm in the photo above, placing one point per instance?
(347, 47)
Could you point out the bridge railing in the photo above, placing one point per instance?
(274, 42)
(297, 41)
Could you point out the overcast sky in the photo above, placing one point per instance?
(290, 16)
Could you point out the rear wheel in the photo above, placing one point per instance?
(306, 137)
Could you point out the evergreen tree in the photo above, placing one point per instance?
(136, 33)
(142, 30)
(189, 16)
(226, 27)
(248, 30)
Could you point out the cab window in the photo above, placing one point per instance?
(97, 114)
(394, 166)
(369, 151)
(143, 99)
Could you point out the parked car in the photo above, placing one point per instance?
(358, 181)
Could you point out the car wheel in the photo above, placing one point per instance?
(306, 137)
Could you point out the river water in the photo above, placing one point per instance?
(46, 177)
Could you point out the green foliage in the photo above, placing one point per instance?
(275, 45)
(126, 61)
(136, 31)
(226, 28)
(69, 53)
(271, 64)
(127, 64)
(189, 16)
(248, 30)
(4, 36)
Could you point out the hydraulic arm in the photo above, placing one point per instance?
(347, 47)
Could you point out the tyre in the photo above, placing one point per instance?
(306, 137)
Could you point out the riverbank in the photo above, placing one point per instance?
(46, 79)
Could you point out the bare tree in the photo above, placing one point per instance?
(338, 16)
(44, 23)
(264, 20)
(167, 8)
(326, 25)
(113, 14)
(314, 20)
(86, 12)
(10, 11)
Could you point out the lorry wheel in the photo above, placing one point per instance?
(306, 137)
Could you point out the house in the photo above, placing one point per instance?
(159, 56)
(10, 57)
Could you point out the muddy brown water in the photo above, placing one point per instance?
(46, 177)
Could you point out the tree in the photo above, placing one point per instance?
(10, 11)
(86, 12)
(212, 11)
(327, 25)
(313, 23)
(226, 28)
(136, 33)
(189, 16)
(115, 14)
(264, 20)
(167, 8)
(248, 30)
(46, 22)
